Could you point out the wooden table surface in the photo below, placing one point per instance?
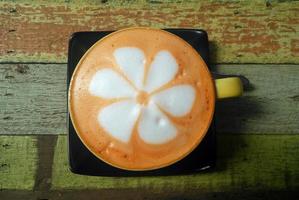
(258, 134)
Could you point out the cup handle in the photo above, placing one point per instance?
(228, 87)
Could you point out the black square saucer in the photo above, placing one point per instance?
(82, 161)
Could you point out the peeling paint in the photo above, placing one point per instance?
(261, 34)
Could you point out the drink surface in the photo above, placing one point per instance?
(141, 99)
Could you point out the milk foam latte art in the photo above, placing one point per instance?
(141, 99)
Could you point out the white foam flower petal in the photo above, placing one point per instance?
(154, 127)
(131, 61)
(162, 70)
(108, 84)
(119, 118)
(177, 100)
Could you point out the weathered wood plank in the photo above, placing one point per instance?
(240, 31)
(137, 194)
(270, 106)
(245, 162)
(33, 100)
(18, 158)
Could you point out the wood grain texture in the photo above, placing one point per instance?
(18, 158)
(240, 31)
(137, 194)
(253, 164)
(33, 100)
(245, 162)
(270, 106)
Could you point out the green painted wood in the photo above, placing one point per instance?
(18, 159)
(137, 194)
(240, 31)
(245, 162)
(249, 163)
(33, 100)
